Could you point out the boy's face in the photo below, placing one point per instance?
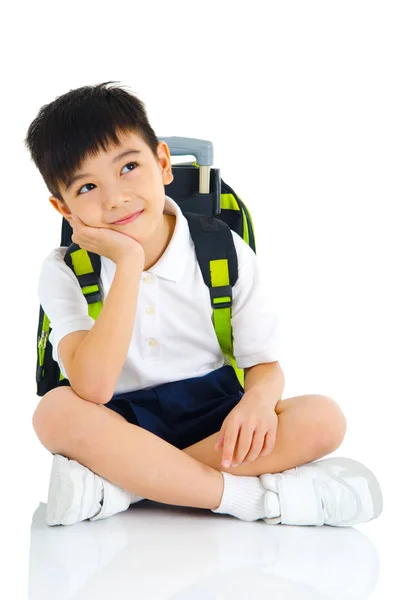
(113, 188)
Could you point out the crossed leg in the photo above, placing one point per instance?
(309, 427)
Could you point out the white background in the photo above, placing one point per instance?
(299, 99)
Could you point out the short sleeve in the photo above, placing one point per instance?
(256, 325)
(62, 300)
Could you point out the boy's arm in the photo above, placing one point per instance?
(99, 359)
(267, 379)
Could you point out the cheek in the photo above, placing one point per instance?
(93, 217)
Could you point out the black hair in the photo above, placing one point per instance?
(80, 123)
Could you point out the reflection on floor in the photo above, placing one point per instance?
(156, 551)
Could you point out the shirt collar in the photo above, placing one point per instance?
(172, 263)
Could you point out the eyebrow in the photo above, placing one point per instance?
(83, 175)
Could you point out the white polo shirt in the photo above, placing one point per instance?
(173, 336)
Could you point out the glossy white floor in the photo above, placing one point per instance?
(155, 551)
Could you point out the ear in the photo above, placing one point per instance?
(164, 158)
(61, 208)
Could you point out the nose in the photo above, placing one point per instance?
(114, 196)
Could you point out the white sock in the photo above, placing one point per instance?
(245, 498)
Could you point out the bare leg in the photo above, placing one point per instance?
(309, 427)
(129, 456)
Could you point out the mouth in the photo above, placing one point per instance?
(128, 219)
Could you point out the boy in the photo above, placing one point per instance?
(152, 411)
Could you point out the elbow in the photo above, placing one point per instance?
(91, 395)
(93, 391)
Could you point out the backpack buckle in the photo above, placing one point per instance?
(87, 279)
(221, 291)
(92, 297)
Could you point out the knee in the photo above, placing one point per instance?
(47, 408)
(53, 416)
(329, 423)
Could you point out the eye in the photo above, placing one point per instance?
(130, 163)
(78, 193)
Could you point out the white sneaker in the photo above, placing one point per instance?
(75, 494)
(334, 491)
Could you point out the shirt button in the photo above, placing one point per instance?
(148, 279)
(152, 342)
(150, 310)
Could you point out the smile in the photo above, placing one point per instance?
(129, 219)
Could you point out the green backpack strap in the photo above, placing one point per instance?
(87, 268)
(217, 258)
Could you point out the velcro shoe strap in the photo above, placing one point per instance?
(300, 502)
(115, 500)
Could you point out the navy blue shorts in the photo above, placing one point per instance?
(182, 412)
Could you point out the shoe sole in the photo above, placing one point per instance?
(61, 491)
(360, 469)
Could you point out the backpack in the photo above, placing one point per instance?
(211, 215)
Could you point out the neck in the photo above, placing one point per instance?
(162, 239)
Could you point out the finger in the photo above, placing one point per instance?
(256, 446)
(244, 444)
(75, 220)
(219, 442)
(74, 223)
(221, 435)
(269, 444)
(229, 443)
